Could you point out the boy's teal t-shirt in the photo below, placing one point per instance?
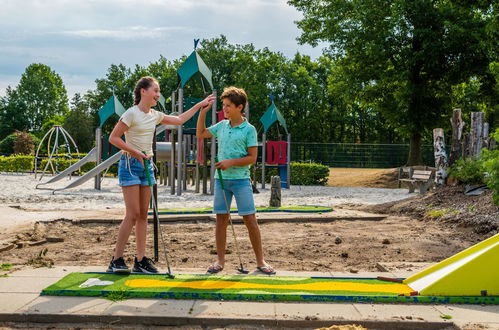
(233, 142)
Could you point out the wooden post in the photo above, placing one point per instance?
(275, 191)
(440, 156)
(457, 133)
(476, 133)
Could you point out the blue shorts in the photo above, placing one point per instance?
(241, 189)
(131, 172)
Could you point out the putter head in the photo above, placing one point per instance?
(170, 275)
(242, 270)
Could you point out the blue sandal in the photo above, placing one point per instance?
(268, 270)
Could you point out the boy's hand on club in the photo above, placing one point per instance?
(224, 164)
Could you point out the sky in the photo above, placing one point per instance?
(80, 39)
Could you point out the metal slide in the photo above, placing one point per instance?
(90, 157)
(99, 168)
(93, 172)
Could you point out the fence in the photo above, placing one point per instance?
(357, 155)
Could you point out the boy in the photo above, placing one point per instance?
(237, 150)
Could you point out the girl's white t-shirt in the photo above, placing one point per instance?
(141, 127)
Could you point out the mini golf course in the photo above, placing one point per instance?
(249, 287)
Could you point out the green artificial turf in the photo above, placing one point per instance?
(261, 209)
(69, 286)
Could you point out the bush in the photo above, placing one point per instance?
(307, 174)
(468, 171)
(16, 164)
(490, 161)
(7, 144)
(24, 144)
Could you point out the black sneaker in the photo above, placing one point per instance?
(118, 266)
(144, 266)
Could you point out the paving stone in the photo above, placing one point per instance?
(234, 309)
(66, 305)
(399, 312)
(317, 311)
(23, 285)
(11, 302)
(151, 307)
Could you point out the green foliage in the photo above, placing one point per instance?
(117, 295)
(6, 266)
(446, 316)
(24, 144)
(490, 161)
(306, 174)
(437, 213)
(468, 171)
(16, 163)
(7, 144)
(309, 174)
(404, 58)
(79, 124)
(40, 95)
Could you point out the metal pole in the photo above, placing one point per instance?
(213, 145)
(289, 161)
(263, 160)
(98, 147)
(180, 139)
(154, 191)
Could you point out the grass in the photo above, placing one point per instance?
(437, 213)
(446, 316)
(288, 208)
(118, 295)
(6, 266)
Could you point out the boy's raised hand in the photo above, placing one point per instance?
(208, 101)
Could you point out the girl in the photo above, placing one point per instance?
(138, 125)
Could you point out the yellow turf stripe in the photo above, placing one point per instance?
(319, 286)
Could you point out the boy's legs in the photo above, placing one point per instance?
(255, 238)
(243, 192)
(221, 237)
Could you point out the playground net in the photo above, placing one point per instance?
(356, 155)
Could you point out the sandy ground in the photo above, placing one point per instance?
(338, 245)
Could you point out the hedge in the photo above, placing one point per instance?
(16, 163)
(307, 174)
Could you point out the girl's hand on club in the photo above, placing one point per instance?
(140, 156)
(224, 164)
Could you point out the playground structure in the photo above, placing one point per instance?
(54, 151)
(275, 154)
(180, 155)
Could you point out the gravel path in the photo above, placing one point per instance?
(19, 189)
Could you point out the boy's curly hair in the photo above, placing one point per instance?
(235, 95)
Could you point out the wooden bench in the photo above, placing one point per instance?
(421, 179)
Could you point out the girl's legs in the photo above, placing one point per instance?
(131, 195)
(141, 223)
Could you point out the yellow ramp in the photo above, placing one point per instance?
(472, 272)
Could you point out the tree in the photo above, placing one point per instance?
(79, 123)
(40, 95)
(405, 54)
(12, 114)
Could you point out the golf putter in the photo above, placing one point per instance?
(155, 209)
(220, 177)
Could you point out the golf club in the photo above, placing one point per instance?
(155, 208)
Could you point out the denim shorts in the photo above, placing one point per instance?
(131, 172)
(241, 189)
